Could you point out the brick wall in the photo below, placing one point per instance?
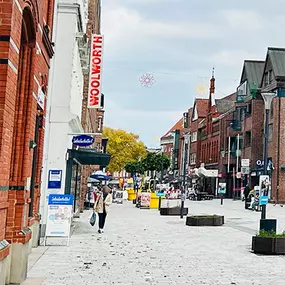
(277, 151)
(24, 66)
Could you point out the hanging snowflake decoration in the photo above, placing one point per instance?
(147, 80)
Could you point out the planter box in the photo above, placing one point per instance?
(175, 211)
(268, 246)
(205, 221)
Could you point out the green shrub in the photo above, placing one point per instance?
(270, 234)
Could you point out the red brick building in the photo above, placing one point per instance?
(198, 113)
(25, 52)
(172, 143)
(273, 80)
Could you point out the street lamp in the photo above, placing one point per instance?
(267, 97)
(186, 147)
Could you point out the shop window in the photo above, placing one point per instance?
(194, 137)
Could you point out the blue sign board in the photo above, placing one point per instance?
(263, 200)
(160, 194)
(54, 179)
(60, 199)
(83, 140)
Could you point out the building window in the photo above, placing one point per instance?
(194, 137)
(99, 126)
(193, 158)
(247, 139)
(270, 77)
(270, 132)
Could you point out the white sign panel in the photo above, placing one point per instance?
(59, 215)
(95, 77)
(245, 162)
(41, 98)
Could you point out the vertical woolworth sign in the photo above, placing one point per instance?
(95, 77)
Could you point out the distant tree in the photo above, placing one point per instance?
(124, 147)
(155, 162)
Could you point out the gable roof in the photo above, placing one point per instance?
(277, 58)
(253, 71)
(202, 106)
(225, 104)
(177, 126)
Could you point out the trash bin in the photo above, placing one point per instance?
(268, 225)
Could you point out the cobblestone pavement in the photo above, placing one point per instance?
(141, 247)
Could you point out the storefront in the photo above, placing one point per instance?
(76, 159)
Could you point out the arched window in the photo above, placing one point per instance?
(24, 91)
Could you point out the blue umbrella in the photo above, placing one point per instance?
(100, 175)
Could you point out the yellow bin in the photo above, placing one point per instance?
(154, 201)
(131, 195)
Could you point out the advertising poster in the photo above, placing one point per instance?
(119, 196)
(222, 188)
(145, 200)
(264, 185)
(59, 215)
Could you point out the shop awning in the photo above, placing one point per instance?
(208, 172)
(89, 156)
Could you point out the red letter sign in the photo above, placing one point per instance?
(95, 81)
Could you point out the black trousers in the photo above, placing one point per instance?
(102, 219)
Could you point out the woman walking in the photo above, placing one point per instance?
(101, 206)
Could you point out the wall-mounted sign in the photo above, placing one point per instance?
(54, 179)
(245, 162)
(41, 98)
(260, 163)
(245, 170)
(83, 140)
(95, 77)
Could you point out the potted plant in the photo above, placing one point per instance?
(268, 242)
(173, 211)
(205, 220)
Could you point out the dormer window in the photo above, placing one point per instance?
(270, 76)
(266, 82)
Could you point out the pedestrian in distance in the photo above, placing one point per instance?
(101, 206)
(246, 196)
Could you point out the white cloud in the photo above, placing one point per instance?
(247, 20)
(231, 58)
(125, 29)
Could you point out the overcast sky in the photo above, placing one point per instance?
(179, 42)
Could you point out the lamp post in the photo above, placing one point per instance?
(161, 178)
(186, 146)
(267, 98)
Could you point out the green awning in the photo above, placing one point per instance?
(89, 156)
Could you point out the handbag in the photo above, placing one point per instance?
(92, 220)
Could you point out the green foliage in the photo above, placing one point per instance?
(270, 234)
(134, 167)
(124, 147)
(154, 161)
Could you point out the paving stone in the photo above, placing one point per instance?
(141, 247)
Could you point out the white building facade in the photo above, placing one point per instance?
(65, 89)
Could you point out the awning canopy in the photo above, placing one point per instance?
(208, 172)
(89, 156)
